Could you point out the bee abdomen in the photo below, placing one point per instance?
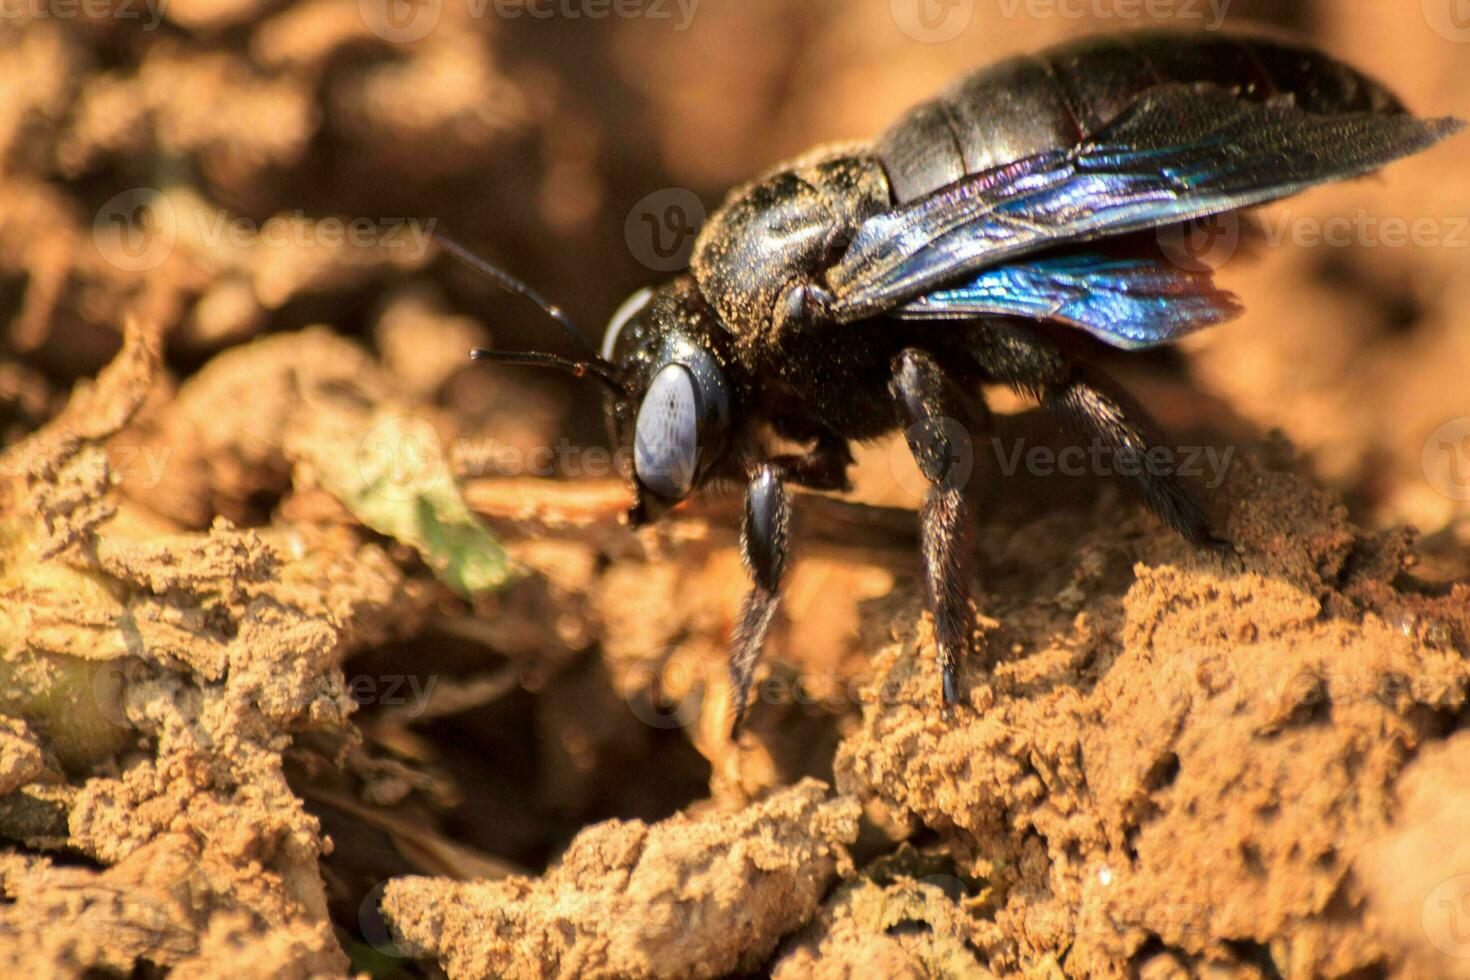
(1054, 99)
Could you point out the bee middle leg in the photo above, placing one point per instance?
(823, 467)
(941, 420)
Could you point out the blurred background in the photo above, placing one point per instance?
(579, 143)
(239, 170)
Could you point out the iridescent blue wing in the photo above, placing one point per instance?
(1176, 153)
(1125, 302)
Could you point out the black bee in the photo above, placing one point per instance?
(866, 289)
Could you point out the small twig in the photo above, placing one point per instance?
(455, 695)
(556, 508)
(427, 849)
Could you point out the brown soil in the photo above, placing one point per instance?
(302, 674)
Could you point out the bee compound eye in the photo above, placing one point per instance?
(666, 434)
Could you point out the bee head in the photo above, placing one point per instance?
(662, 363)
(669, 351)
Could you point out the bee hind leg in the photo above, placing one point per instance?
(1090, 404)
(1087, 402)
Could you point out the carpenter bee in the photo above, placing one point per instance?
(866, 289)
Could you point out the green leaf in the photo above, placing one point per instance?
(396, 480)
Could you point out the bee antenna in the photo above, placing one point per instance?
(599, 369)
(511, 284)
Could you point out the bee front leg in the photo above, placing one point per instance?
(940, 420)
(823, 468)
(763, 538)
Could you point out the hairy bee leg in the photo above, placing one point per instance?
(763, 539)
(1089, 403)
(937, 415)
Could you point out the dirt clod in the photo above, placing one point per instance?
(684, 897)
